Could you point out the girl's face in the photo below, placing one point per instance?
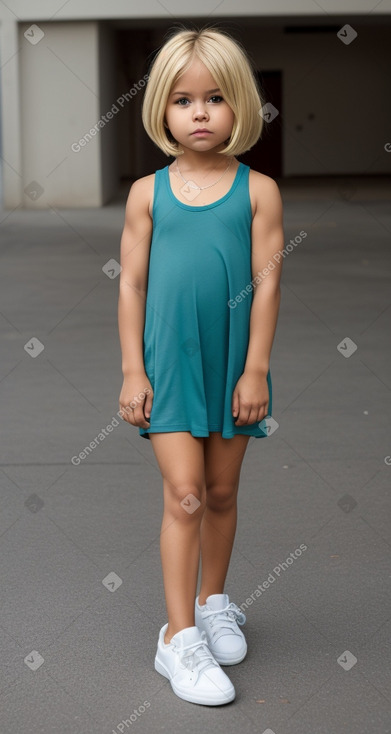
(194, 103)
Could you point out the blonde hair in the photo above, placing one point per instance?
(229, 65)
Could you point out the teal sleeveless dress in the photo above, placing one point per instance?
(196, 334)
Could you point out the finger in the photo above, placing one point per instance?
(244, 412)
(235, 404)
(145, 418)
(252, 418)
(139, 418)
(239, 412)
(131, 417)
(262, 412)
(148, 405)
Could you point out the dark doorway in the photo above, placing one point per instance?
(266, 155)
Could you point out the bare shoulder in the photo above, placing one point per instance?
(141, 193)
(264, 192)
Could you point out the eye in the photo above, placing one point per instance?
(216, 98)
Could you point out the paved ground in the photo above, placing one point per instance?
(77, 651)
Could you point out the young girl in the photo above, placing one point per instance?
(198, 307)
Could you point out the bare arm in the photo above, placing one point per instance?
(267, 238)
(135, 248)
(250, 399)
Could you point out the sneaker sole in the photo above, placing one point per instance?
(192, 698)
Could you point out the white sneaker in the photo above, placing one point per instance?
(190, 667)
(219, 620)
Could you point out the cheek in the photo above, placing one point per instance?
(176, 114)
(229, 116)
(227, 113)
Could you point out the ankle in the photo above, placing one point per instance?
(203, 597)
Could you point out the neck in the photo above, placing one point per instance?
(190, 161)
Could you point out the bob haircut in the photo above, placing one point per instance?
(229, 65)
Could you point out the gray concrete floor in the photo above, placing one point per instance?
(78, 650)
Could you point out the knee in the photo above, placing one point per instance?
(220, 497)
(184, 500)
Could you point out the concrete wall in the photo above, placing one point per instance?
(59, 87)
(55, 91)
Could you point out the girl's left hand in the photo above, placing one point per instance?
(250, 399)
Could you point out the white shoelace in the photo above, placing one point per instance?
(224, 619)
(197, 656)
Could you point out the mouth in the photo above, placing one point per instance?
(202, 132)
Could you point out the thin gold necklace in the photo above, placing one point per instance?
(200, 188)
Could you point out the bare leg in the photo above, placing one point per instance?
(223, 460)
(181, 461)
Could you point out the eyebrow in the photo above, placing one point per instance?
(209, 91)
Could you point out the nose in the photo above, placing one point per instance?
(200, 111)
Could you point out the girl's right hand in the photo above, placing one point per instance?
(135, 400)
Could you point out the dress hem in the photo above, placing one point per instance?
(196, 432)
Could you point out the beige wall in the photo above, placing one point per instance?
(66, 86)
(59, 88)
